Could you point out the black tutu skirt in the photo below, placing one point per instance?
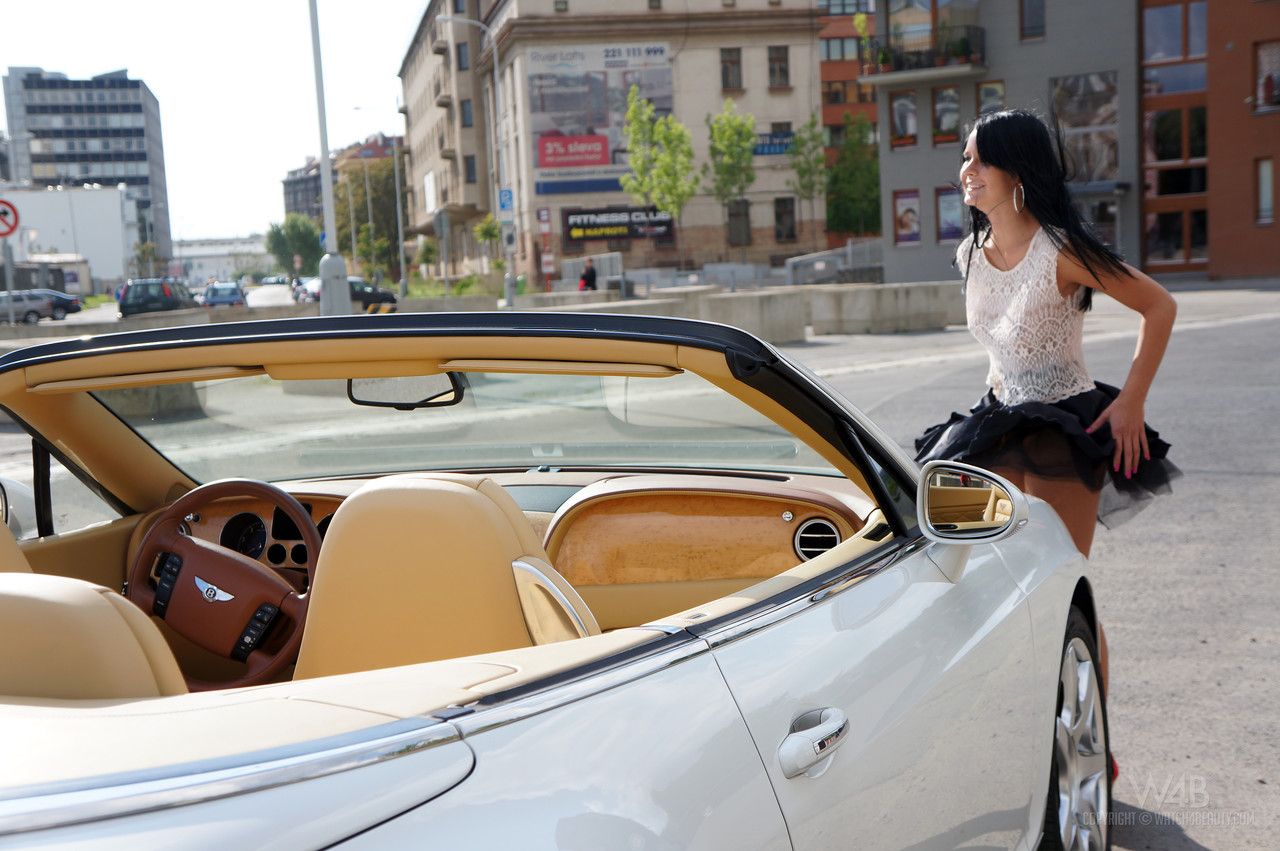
(1048, 439)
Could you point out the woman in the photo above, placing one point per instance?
(1030, 266)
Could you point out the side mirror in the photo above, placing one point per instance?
(4, 506)
(963, 504)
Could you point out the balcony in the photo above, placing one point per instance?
(444, 98)
(945, 53)
(448, 151)
(439, 41)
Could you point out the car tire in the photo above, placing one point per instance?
(59, 313)
(1078, 804)
(31, 317)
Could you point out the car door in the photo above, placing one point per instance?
(931, 679)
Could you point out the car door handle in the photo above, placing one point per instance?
(813, 738)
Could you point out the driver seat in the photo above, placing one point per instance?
(417, 568)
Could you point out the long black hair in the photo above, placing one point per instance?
(1018, 142)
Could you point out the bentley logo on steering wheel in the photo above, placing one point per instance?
(212, 592)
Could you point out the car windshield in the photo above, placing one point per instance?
(281, 430)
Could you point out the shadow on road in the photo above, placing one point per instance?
(1138, 829)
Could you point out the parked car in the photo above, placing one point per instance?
(227, 294)
(146, 295)
(744, 617)
(29, 307)
(362, 291)
(63, 303)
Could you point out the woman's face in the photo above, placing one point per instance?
(984, 186)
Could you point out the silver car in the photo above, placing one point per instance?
(28, 307)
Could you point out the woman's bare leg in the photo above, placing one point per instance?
(1075, 503)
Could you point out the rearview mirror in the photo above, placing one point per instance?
(961, 503)
(407, 392)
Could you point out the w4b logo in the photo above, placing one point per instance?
(1189, 791)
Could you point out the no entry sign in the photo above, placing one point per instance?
(8, 218)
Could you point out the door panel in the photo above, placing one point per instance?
(933, 678)
(663, 762)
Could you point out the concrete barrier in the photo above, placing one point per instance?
(448, 304)
(775, 316)
(884, 308)
(160, 319)
(533, 301)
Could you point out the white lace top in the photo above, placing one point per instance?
(1033, 336)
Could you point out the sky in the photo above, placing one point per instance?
(236, 85)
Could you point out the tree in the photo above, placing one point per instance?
(642, 155)
(853, 188)
(298, 235)
(489, 233)
(732, 168)
(349, 203)
(146, 256)
(809, 162)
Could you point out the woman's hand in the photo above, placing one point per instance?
(1129, 430)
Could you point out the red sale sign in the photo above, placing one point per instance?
(572, 151)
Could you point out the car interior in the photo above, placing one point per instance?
(286, 610)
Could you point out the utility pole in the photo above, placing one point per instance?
(368, 204)
(8, 277)
(335, 294)
(395, 168)
(351, 217)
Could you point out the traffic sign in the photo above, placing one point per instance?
(506, 200)
(8, 218)
(548, 264)
(544, 221)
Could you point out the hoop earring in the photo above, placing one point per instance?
(1016, 208)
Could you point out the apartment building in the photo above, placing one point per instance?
(565, 67)
(104, 130)
(302, 191)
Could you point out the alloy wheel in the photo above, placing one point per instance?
(1080, 744)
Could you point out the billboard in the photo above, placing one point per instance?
(578, 225)
(577, 106)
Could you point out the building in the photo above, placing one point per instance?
(302, 192)
(565, 67)
(843, 54)
(1243, 138)
(95, 223)
(376, 147)
(226, 259)
(4, 157)
(104, 130)
(950, 61)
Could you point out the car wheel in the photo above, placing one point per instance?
(31, 317)
(1078, 807)
(59, 313)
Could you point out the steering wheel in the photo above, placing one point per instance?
(219, 599)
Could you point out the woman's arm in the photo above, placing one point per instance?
(1144, 296)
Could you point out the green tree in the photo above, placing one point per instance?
(349, 203)
(809, 164)
(428, 253)
(732, 169)
(146, 257)
(853, 188)
(675, 180)
(298, 235)
(489, 233)
(642, 153)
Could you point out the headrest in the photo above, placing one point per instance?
(70, 639)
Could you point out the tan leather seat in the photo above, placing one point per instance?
(12, 559)
(999, 507)
(70, 639)
(418, 568)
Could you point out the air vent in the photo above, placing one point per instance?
(815, 537)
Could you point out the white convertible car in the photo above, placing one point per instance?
(522, 581)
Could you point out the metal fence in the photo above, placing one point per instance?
(856, 260)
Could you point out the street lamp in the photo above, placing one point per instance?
(335, 294)
(497, 142)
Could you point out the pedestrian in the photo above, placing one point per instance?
(1030, 265)
(588, 279)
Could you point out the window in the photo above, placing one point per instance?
(836, 49)
(784, 219)
(1162, 33)
(779, 67)
(946, 115)
(833, 91)
(1174, 79)
(990, 96)
(846, 7)
(464, 56)
(469, 168)
(780, 128)
(739, 222)
(1164, 237)
(656, 5)
(1086, 106)
(1176, 181)
(731, 68)
(1032, 18)
(1164, 132)
(72, 504)
(902, 110)
(1267, 74)
(1197, 28)
(1266, 194)
(468, 117)
(459, 7)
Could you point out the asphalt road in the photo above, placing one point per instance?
(1188, 590)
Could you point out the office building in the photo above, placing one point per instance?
(565, 68)
(104, 130)
(302, 192)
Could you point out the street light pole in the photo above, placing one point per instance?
(497, 140)
(368, 204)
(335, 295)
(395, 166)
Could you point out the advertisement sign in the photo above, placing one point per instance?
(615, 223)
(773, 144)
(902, 117)
(951, 213)
(946, 115)
(578, 104)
